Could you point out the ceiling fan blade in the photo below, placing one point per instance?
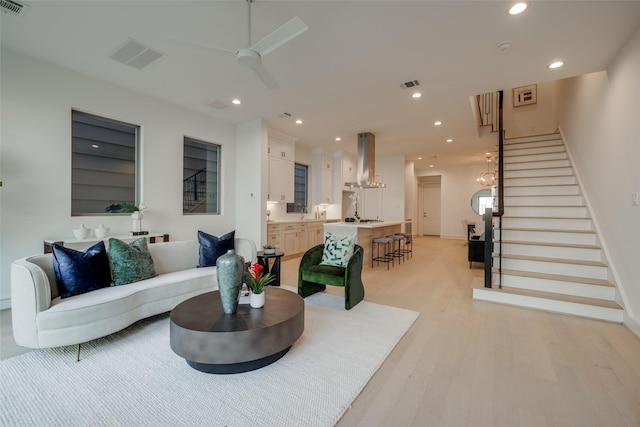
(203, 47)
(264, 75)
(289, 30)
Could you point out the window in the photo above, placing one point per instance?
(200, 177)
(299, 189)
(103, 165)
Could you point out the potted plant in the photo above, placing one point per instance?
(256, 282)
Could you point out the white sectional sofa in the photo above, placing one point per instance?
(42, 319)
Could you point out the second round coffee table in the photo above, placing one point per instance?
(214, 342)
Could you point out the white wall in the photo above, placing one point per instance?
(598, 116)
(252, 177)
(457, 185)
(536, 119)
(36, 101)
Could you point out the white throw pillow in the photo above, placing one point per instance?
(337, 250)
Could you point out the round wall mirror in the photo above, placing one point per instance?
(481, 200)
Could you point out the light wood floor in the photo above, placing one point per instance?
(471, 363)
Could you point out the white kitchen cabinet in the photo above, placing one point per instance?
(281, 148)
(281, 180)
(281, 167)
(322, 178)
(348, 169)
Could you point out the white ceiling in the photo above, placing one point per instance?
(343, 75)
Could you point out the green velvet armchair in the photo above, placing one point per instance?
(313, 277)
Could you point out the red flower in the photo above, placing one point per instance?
(255, 280)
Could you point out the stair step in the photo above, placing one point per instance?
(550, 244)
(542, 190)
(533, 139)
(592, 263)
(510, 151)
(518, 181)
(547, 223)
(547, 301)
(581, 237)
(557, 277)
(564, 267)
(534, 157)
(520, 280)
(537, 164)
(545, 249)
(544, 200)
(544, 211)
(540, 172)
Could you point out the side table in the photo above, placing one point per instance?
(263, 260)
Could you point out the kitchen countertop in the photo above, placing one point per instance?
(366, 224)
(295, 221)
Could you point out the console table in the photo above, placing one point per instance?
(218, 343)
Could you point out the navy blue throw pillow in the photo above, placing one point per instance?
(78, 272)
(211, 247)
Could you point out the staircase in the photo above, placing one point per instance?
(551, 256)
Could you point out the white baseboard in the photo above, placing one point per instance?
(631, 324)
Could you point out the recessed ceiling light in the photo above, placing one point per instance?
(487, 154)
(517, 8)
(419, 158)
(438, 123)
(430, 166)
(338, 138)
(95, 146)
(556, 64)
(235, 101)
(450, 140)
(299, 121)
(416, 95)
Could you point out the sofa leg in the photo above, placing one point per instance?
(78, 354)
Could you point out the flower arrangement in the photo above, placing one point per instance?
(354, 201)
(255, 280)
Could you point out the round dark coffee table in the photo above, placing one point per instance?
(214, 342)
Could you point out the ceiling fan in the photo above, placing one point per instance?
(251, 56)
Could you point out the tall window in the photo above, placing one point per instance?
(300, 189)
(103, 165)
(200, 177)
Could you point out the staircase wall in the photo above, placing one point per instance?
(598, 118)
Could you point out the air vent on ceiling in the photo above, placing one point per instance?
(284, 115)
(411, 83)
(10, 6)
(218, 105)
(135, 54)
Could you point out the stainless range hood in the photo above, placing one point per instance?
(366, 163)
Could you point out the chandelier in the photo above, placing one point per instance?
(488, 178)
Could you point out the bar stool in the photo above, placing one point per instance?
(376, 243)
(408, 247)
(397, 252)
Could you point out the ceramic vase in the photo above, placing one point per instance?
(230, 272)
(256, 300)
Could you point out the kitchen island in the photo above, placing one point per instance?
(365, 232)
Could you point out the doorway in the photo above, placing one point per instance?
(429, 195)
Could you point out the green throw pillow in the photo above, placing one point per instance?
(337, 250)
(130, 262)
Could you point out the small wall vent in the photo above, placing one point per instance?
(10, 6)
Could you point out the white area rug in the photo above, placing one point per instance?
(133, 378)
